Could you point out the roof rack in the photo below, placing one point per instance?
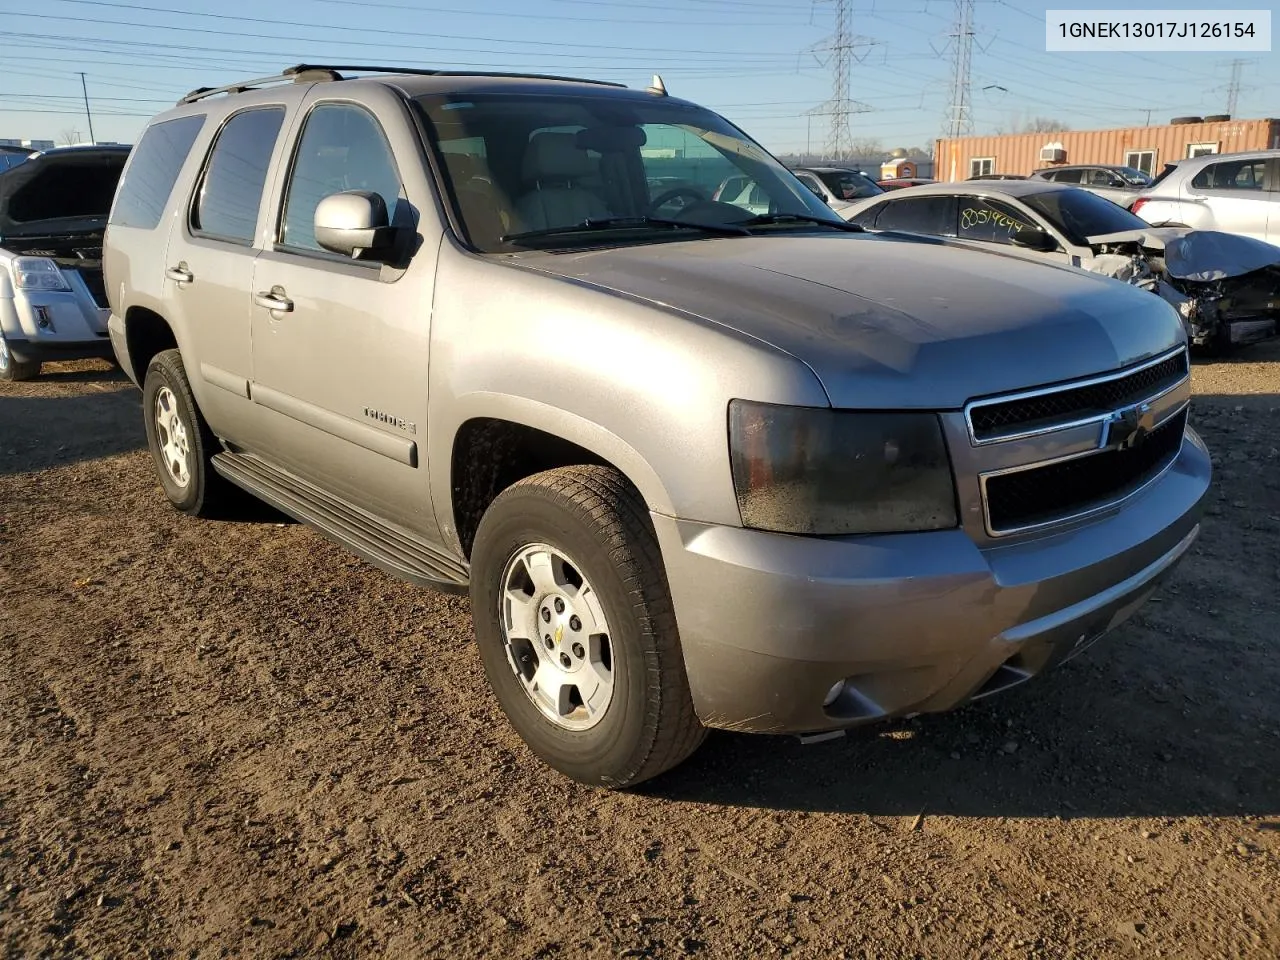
(320, 73)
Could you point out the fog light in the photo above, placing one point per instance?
(834, 693)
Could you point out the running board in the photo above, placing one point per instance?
(390, 548)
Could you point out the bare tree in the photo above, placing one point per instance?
(866, 147)
(69, 137)
(1043, 125)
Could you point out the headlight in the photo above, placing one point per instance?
(817, 471)
(38, 273)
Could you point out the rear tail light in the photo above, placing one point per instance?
(1137, 205)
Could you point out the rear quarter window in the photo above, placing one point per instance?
(153, 170)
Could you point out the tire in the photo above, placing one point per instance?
(205, 493)
(13, 369)
(596, 522)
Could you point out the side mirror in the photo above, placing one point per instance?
(355, 223)
(1034, 239)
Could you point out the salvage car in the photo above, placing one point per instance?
(1238, 193)
(1115, 183)
(53, 211)
(1226, 288)
(705, 467)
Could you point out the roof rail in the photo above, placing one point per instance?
(315, 72)
(419, 72)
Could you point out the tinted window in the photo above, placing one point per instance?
(1104, 178)
(934, 216)
(157, 159)
(342, 148)
(1079, 214)
(1066, 176)
(867, 217)
(990, 221)
(231, 193)
(1232, 175)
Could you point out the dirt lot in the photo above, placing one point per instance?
(235, 740)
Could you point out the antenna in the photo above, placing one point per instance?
(842, 49)
(960, 113)
(657, 88)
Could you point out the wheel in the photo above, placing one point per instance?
(576, 629)
(11, 368)
(181, 443)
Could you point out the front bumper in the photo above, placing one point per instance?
(911, 623)
(53, 350)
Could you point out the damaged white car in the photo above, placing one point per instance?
(53, 211)
(1225, 287)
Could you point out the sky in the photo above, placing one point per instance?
(761, 63)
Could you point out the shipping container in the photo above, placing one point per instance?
(1145, 148)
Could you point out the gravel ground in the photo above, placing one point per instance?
(233, 739)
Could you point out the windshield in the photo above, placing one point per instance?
(1134, 176)
(525, 164)
(1080, 214)
(850, 185)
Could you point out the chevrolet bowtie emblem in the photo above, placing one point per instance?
(559, 633)
(1125, 429)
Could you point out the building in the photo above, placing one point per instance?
(29, 144)
(1145, 148)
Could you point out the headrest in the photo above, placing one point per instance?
(554, 156)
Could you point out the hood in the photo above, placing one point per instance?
(60, 192)
(1206, 255)
(887, 322)
(1154, 237)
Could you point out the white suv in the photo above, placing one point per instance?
(1235, 193)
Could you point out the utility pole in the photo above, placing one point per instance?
(842, 47)
(960, 112)
(85, 90)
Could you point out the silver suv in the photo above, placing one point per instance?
(697, 465)
(1235, 193)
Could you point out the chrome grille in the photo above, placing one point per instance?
(1004, 418)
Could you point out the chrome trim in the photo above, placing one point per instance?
(972, 405)
(1083, 514)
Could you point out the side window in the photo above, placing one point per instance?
(989, 220)
(867, 217)
(933, 216)
(1067, 176)
(811, 183)
(342, 148)
(1104, 178)
(230, 192)
(1233, 175)
(153, 170)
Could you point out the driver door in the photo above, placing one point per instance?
(340, 345)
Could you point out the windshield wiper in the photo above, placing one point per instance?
(768, 218)
(628, 223)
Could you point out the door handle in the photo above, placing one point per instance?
(276, 302)
(180, 273)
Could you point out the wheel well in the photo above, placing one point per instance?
(490, 455)
(146, 334)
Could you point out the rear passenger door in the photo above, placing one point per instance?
(340, 346)
(209, 267)
(1237, 195)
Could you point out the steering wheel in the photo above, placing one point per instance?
(691, 195)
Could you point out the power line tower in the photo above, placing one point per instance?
(1233, 88)
(842, 48)
(960, 40)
